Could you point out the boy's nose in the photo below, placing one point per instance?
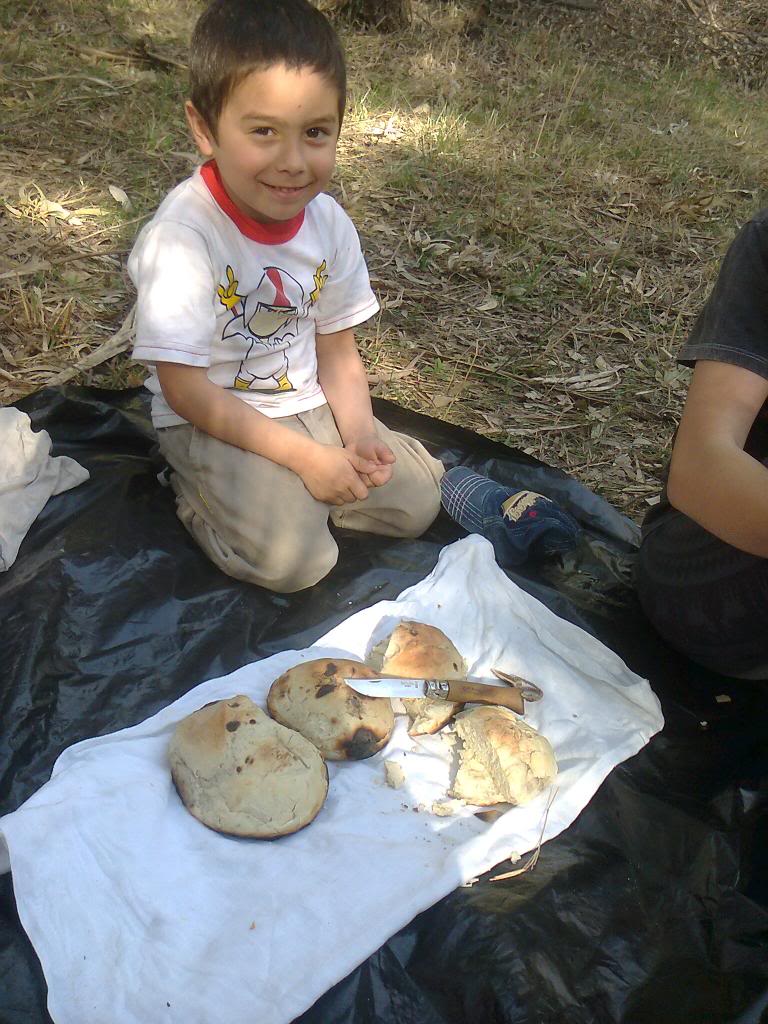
(291, 158)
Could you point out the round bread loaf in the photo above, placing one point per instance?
(240, 773)
(501, 758)
(313, 699)
(416, 650)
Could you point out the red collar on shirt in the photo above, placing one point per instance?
(269, 234)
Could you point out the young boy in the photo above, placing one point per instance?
(702, 572)
(250, 282)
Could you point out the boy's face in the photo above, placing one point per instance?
(276, 140)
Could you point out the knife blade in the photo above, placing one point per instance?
(458, 690)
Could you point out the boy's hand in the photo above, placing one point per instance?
(335, 475)
(370, 448)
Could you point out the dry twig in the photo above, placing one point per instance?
(530, 864)
(119, 342)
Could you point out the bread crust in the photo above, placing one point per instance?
(417, 650)
(344, 725)
(240, 773)
(501, 758)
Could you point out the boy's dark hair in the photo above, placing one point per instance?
(233, 38)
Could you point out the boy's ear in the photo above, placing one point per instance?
(201, 133)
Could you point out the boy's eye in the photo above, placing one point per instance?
(261, 130)
(317, 133)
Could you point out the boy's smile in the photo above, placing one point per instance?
(275, 144)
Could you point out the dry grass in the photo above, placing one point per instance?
(543, 198)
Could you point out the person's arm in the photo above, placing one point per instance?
(342, 377)
(711, 478)
(330, 474)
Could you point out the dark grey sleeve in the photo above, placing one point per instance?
(733, 325)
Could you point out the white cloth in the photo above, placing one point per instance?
(29, 476)
(219, 290)
(140, 913)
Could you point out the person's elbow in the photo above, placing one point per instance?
(695, 464)
(687, 482)
(676, 484)
(178, 383)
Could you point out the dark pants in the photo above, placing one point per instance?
(706, 598)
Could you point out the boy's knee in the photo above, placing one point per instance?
(288, 579)
(287, 567)
(417, 485)
(423, 511)
(429, 512)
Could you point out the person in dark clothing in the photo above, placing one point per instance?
(702, 571)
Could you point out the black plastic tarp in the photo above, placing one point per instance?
(651, 907)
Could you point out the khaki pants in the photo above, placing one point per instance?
(257, 521)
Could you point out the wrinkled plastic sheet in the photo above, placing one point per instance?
(651, 907)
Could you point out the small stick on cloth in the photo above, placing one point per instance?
(532, 860)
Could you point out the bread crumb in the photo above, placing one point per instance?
(394, 775)
(445, 808)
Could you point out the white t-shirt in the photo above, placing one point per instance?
(243, 299)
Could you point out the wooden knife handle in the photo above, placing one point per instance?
(481, 693)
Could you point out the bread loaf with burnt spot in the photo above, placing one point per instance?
(314, 699)
(239, 772)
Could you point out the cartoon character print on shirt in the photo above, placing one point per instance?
(267, 320)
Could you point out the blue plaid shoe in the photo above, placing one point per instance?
(519, 524)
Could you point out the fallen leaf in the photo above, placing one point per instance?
(120, 196)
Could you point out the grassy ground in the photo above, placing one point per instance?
(543, 198)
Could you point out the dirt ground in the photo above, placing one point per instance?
(543, 190)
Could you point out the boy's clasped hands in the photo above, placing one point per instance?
(339, 476)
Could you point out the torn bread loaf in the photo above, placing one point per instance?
(501, 758)
(313, 699)
(241, 773)
(417, 650)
